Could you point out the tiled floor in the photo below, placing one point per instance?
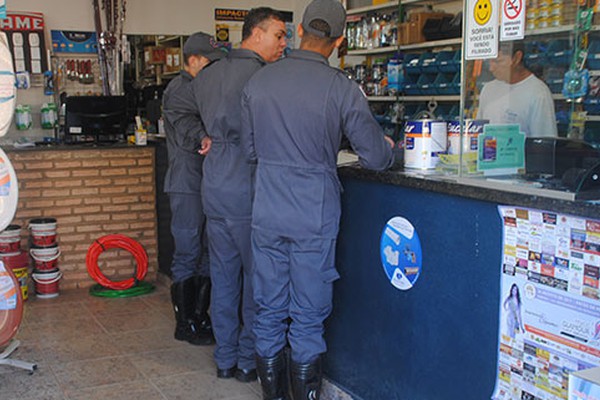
(90, 348)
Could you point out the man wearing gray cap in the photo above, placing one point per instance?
(190, 291)
(294, 113)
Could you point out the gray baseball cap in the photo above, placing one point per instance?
(330, 11)
(202, 44)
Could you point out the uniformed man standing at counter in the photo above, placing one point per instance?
(294, 113)
(517, 96)
(190, 291)
(227, 189)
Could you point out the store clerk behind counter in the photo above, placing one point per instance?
(516, 95)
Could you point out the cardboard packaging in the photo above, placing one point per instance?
(155, 55)
(173, 60)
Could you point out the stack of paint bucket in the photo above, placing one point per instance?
(13, 257)
(44, 252)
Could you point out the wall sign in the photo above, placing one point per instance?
(482, 29)
(25, 32)
(513, 20)
(400, 252)
(74, 42)
(550, 308)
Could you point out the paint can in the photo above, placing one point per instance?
(46, 283)
(45, 258)
(18, 262)
(473, 128)
(424, 140)
(43, 231)
(10, 239)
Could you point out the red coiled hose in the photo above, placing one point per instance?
(121, 242)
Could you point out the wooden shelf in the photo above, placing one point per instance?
(423, 45)
(393, 4)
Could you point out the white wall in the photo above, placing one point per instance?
(146, 16)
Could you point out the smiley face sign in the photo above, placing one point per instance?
(483, 11)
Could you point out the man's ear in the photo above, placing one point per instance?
(300, 31)
(518, 57)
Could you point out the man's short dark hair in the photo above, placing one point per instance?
(256, 17)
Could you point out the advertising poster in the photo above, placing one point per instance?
(74, 42)
(25, 32)
(549, 308)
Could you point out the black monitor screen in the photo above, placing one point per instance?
(95, 118)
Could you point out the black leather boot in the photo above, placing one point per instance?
(202, 305)
(183, 296)
(306, 380)
(273, 376)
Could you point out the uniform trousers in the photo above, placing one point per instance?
(188, 223)
(293, 278)
(230, 273)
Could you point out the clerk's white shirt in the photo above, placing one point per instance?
(527, 103)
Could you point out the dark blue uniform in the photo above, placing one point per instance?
(184, 177)
(294, 113)
(227, 196)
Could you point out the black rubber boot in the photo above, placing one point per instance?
(183, 296)
(202, 305)
(306, 380)
(273, 377)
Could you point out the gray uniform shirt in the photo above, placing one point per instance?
(184, 132)
(227, 185)
(294, 113)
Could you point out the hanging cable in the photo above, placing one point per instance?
(120, 242)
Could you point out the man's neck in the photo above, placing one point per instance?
(519, 75)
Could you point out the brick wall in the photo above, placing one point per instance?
(91, 192)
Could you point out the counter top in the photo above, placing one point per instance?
(70, 147)
(490, 190)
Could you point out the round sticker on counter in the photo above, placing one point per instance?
(401, 253)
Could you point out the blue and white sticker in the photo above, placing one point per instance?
(400, 251)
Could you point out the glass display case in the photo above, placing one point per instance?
(520, 114)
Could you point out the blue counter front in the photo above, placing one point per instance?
(437, 340)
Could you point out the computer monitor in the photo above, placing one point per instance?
(95, 119)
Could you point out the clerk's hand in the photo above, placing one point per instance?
(205, 146)
(389, 140)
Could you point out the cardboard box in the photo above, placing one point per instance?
(416, 23)
(584, 384)
(173, 60)
(155, 55)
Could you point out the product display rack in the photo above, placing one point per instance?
(382, 51)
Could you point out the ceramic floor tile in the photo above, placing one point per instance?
(137, 390)
(19, 385)
(102, 306)
(203, 386)
(104, 371)
(151, 340)
(61, 329)
(127, 322)
(52, 313)
(79, 348)
(174, 361)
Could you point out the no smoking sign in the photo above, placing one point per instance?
(513, 20)
(513, 8)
